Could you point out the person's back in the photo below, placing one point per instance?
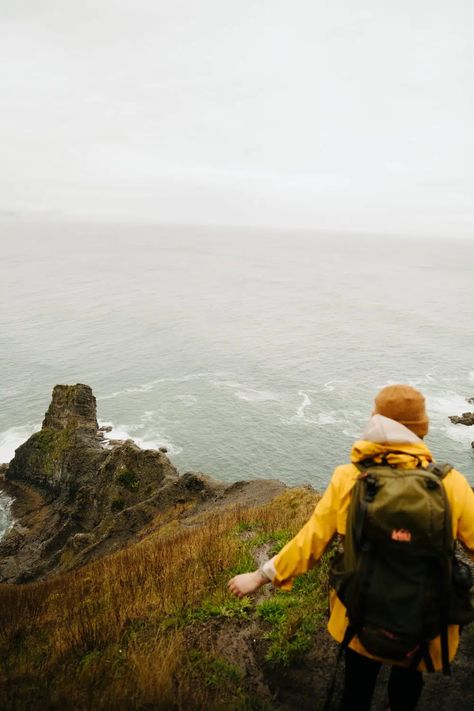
(393, 437)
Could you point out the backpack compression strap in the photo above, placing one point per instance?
(439, 469)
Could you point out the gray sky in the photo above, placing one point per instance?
(328, 114)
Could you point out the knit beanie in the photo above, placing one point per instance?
(405, 405)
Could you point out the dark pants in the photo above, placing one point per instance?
(404, 685)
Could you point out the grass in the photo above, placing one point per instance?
(135, 630)
(292, 618)
(128, 479)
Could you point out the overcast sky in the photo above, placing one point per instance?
(325, 114)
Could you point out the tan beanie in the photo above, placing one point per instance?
(405, 405)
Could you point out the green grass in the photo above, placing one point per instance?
(292, 619)
(221, 605)
(128, 480)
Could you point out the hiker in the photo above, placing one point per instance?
(390, 454)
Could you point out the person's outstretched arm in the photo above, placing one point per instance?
(300, 554)
(247, 583)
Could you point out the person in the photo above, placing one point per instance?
(394, 434)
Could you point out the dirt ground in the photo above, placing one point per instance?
(304, 688)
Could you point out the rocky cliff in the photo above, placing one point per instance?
(78, 496)
(467, 418)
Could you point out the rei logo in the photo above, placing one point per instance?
(401, 535)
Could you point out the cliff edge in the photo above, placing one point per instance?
(79, 496)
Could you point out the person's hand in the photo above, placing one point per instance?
(246, 583)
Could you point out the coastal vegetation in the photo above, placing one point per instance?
(113, 591)
(153, 626)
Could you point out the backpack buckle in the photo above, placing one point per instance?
(371, 486)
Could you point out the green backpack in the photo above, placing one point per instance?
(398, 576)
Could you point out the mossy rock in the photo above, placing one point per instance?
(128, 480)
(41, 457)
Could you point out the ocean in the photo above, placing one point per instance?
(248, 353)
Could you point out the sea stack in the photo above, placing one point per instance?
(72, 406)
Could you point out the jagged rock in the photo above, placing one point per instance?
(201, 483)
(470, 400)
(72, 406)
(72, 486)
(80, 540)
(467, 418)
(163, 449)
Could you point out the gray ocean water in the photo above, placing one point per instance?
(247, 353)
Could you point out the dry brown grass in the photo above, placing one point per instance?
(116, 634)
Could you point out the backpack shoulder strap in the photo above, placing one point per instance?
(439, 469)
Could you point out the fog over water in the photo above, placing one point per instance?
(336, 115)
(247, 353)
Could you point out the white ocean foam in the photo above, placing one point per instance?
(251, 395)
(124, 432)
(459, 433)
(471, 376)
(227, 384)
(320, 420)
(6, 518)
(425, 379)
(306, 402)
(449, 403)
(130, 428)
(12, 438)
(325, 418)
(146, 387)
(301, 417)
(329, 386)
(248, 394)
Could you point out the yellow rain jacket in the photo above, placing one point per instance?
(330, 516)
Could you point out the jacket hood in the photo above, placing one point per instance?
(382, 429)
(388, 439)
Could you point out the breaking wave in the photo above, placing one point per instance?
(151, 440)
(150, 385)
(251, 395)
(6, 518)
(11, 439)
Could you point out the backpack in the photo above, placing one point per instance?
(398, 576)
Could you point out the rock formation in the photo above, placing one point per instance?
(467, 418)
(78, 497)
(72, 406)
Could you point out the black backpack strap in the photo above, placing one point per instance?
(445, 651)
(348, 637)
(425, 655)
(422, 653)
